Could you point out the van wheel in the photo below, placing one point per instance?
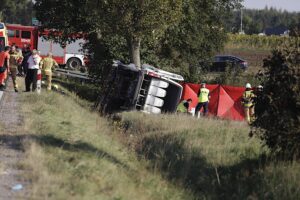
(74, 64)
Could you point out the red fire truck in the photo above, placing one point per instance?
(71, 55)
(3, 37)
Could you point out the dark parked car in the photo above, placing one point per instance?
(220, 62)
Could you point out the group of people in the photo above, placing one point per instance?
(24, 62)
(203, 100)
(248, 102)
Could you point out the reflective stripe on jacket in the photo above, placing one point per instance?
(248, 97)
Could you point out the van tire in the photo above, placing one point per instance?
(74, 63)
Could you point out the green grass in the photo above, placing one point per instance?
(215, 159)
(74, 154)
(87, 91)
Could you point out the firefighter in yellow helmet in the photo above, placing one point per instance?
(47, 64)
(15, 59)
(248, 103)
(183, 106)
(203, 100)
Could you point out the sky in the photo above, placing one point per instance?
(289, 5)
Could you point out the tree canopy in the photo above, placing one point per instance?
(278, 107)
(133, 20)
(168, 33)
(16, 12)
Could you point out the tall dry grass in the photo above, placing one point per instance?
(215, 159)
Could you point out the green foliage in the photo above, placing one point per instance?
(197, 36)
(278, 108)
(86, 91)
(235, 76)
(16, 12)
(132, 20)
(213, 158)
(173, 35)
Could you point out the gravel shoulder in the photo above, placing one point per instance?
(11, 148)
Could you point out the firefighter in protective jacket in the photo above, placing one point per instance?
(47, 64)
(248, 103)
(15, 59)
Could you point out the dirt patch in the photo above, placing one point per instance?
(11, 149)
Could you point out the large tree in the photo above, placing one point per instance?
(197, 36)
(133, 20)
(171, 34)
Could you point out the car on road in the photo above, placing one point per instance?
(220, 62)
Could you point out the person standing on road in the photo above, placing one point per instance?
(248, 103)
(47, 64)
(203, 100)
(33, 67)
(20, 61)
(4, 66)
(26, 54)
(14, 61)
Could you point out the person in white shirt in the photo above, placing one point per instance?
(33, 67)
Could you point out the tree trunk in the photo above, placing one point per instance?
(135, 46)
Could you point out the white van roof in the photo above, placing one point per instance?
(162, 73)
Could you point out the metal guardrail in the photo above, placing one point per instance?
(72, 74)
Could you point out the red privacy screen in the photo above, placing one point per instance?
(225, 101)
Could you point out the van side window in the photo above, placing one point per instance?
(26, 34)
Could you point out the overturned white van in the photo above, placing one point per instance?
(148, 90)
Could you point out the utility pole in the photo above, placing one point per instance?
(241, 31)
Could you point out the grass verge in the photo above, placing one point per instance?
(73, 154)
(213, 158)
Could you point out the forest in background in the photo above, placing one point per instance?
(254, 21)
(17, 11)
(257, 21)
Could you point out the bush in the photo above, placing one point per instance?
(236, 77)
(278, 108)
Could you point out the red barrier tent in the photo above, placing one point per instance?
(225, 101)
